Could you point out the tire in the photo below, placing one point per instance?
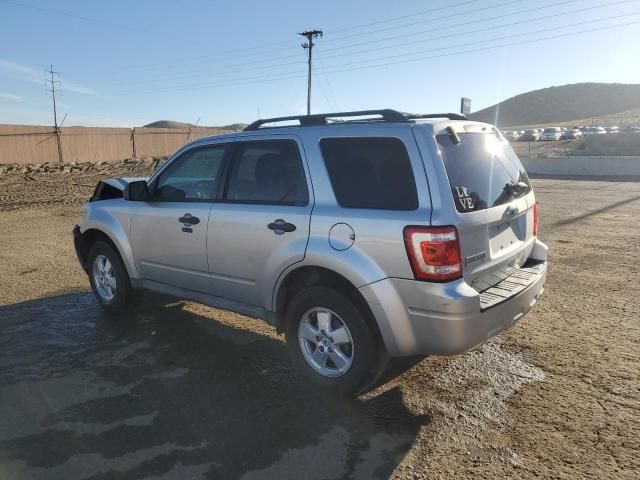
(366, 357)
(111, 287)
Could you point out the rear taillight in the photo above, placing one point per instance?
(535, 219)
(434, 252)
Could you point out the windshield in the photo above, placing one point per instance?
(483, 171)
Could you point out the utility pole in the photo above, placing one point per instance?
(309, 35)
(53, 83)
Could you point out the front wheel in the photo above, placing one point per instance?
(331, 342)
(109, 279)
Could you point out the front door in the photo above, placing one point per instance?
(169, 232)
(261, 225)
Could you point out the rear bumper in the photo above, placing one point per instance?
(422, 318)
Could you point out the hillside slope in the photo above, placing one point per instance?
(565, 103)
(172, 124)
(168, 124)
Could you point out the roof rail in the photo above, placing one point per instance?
(387, 115)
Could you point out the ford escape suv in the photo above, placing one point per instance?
(359, 235)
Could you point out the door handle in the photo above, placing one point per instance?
(280, 226)
(189, 220)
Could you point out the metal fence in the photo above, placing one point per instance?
(32, 144)
(621, 144)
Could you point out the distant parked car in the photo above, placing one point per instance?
(594, 131)
(551, 133)
(612, 130)
(511, 135)
(531, 135)
(634, 129)
(571, 134)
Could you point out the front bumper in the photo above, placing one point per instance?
(79, 244)
(422, 318)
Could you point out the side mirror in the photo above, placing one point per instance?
(136, 191)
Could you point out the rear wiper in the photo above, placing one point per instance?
(517, 187)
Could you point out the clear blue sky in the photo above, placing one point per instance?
(127, 63)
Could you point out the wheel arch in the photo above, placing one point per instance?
(93, 233)
(309, 275)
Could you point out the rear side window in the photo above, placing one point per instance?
(483, 171)
(370, 172)
(268, 172)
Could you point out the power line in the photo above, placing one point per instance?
(331, 69)
(494, 27)
(471, 22)
(504, 37)
(224, 69)
(326, 77)
(402, 17)
(73, 15)
(328, 69)
(433, 19)
(493, 47)
(260, 50)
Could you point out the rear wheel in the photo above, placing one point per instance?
(331, 342)
(109, 279)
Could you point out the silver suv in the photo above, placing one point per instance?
(360, 235)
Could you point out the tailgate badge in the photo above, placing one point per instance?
(475, 258)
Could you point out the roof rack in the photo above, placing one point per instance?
(388, 115)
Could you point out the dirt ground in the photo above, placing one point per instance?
(183, 391)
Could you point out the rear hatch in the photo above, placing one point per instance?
(494, 202)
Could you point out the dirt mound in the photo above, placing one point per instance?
(48, 184)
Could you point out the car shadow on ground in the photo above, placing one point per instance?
(170, 393)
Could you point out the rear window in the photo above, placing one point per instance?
(483, 171)
(370, 172)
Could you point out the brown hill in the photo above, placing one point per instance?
(172, 124)
(562, 104)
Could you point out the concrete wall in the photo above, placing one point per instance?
(583, 166)
(32, 144)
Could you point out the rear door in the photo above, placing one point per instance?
(494, 203)
(261, 225)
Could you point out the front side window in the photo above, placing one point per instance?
(268, 172)
(370, 172)
(192, 177)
